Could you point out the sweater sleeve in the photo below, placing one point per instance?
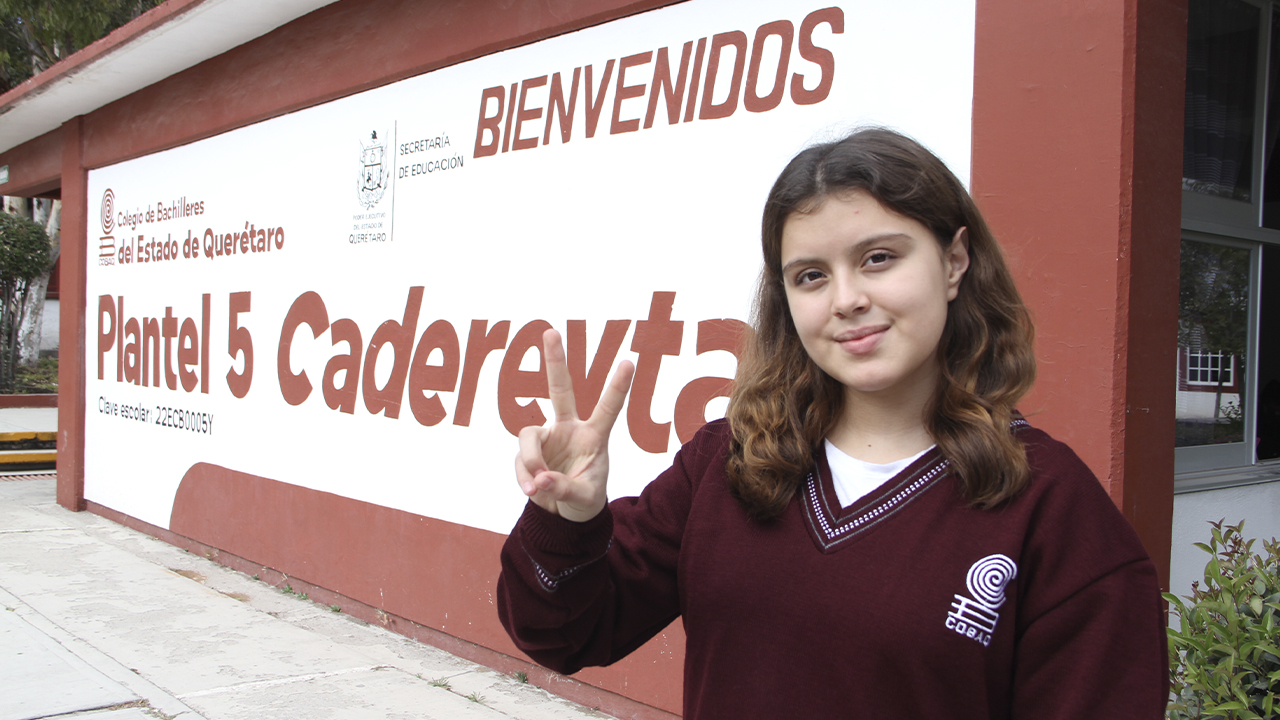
(577, 594)
(1091, 635)
(1099, 655)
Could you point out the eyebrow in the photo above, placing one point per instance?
(857, 248)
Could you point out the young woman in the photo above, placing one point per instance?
(873, 531)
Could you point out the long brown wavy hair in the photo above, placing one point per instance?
(783, 404)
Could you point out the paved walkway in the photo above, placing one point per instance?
(24, 419)
(111, 624)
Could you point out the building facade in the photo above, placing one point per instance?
(1142, 253)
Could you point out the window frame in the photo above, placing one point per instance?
(1236, 213)
(1236, 223)
(1200, 458)
(1219, 364)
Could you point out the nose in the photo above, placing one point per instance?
(849, 297)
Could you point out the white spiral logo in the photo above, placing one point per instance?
(108, 211)
(988, 577)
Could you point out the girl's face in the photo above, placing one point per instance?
(868, 291)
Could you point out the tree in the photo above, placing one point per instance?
(48, 214)
(1213, 317)
(35, 34)
(24, 255)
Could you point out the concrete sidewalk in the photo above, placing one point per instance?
(111, 624)
(28, 419)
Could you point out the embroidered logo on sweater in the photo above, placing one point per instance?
(975, 617)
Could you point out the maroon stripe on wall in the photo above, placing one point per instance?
(568, 687)
(437, 574)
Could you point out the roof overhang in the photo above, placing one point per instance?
(162, 42)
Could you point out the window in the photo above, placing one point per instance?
(1210, 368)
(1228, 390)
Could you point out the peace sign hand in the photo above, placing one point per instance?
(564, 468)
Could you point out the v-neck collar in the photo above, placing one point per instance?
(832, 526)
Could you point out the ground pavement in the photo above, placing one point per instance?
(99, 621)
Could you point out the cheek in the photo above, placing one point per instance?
(935, 321)
(807, 317)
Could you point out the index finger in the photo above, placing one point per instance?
(559, 382)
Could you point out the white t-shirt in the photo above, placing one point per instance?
(854, 478)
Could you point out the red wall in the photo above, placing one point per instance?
(35, 167)
(1077, 154)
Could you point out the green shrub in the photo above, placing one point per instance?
(1223, 655)
(24, 255)
(24, 248)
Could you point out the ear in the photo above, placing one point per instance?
(956, 258)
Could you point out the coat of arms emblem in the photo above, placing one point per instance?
(375, 170)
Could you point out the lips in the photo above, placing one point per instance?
(860, 341)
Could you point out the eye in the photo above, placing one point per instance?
(807, 277)
(878, 258)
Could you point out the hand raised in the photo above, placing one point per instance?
(564, 467)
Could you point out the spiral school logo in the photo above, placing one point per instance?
(107, 217)
(108, 212)
(975, 617)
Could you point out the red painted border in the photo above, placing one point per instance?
(49, 400)
(562, 685)
(35, 167)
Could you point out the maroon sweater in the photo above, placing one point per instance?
(908, 604)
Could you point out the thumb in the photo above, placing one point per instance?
(552, 484)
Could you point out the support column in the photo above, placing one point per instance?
(71, 318)
(1077, 147)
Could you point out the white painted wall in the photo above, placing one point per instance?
(1258, 505)
(49, 326)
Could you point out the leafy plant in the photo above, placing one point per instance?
(34, 34)
(24, 255)
(1223, 656)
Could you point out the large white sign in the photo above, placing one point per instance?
(350, 297)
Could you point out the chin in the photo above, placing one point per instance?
(867, 386)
